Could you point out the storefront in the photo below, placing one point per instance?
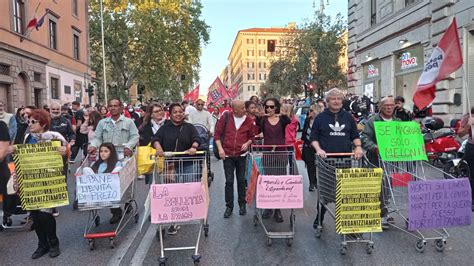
(372, 77)
(408, 67)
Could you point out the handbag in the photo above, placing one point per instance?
(146, 160)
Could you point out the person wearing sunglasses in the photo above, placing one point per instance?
(273, 126)
(308, 152)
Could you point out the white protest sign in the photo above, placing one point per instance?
(98, 188)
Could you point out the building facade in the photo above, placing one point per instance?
(49, 62)
(249, 60)
(390, 41)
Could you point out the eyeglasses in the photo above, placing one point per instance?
(32, 122)
(157, 111)
(269, 106)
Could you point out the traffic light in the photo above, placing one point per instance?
(271, 46)
(90, 90)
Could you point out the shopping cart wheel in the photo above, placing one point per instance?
(112, 242)
(206, 230)
(269, 241)
(343, 249)
(255, 220)
(440, 244)
(317, 232)
(369, 248)
(196, 259)
(136, 217)
(289, 242)
(420, 245)
(97, 220)
(91, 244)
(162, 261)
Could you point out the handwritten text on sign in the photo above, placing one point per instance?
(98, 188)
(400, 141)
(439, 203)
(182, 202)
(41, 181)
(280, 192)
(358, 200)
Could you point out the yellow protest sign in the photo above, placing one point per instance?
(358, 200)
(41, 181)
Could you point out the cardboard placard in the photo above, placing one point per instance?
(98, 188)
(280, 192)
(439, 204)
(358, 200)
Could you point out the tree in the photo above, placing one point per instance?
(311, 53)
(152, 43)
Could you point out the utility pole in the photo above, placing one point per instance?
(321, 5)
(104, 74)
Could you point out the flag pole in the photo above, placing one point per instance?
(103, 51)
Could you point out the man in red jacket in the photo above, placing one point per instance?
(234, 133)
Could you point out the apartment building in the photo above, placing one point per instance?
(49, 62)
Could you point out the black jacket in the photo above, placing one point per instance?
(63, 126)
(176, 138)
(146, 134)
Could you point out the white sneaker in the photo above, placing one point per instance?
(141, 177)
(55, 212)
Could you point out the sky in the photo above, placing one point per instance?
(227, 17)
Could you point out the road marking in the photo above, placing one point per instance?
(124, 246)
(144, 246)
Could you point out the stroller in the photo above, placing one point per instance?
(204, 136)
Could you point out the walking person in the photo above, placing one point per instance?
(233, 134)
(308, 152)
(467, 122)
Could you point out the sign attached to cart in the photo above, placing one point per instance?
(98, 188)
(439, 204)
(280, 192)
(40, 176)
(175, 203)
(400, 141)
(358, 200)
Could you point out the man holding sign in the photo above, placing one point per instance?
(369, 143)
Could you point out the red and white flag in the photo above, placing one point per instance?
(233, 91)
(217, 92)
(192, 95)
(444, 60)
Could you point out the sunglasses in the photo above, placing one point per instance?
(32, 122)
(269, 106)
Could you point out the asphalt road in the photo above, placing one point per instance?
(233, 241)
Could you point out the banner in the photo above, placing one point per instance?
(178, 202)
(280, 192)
(98, 188)
(252, 180)
(216, 92)
(358, 200)
(192, 95)
(400, 141)
(439, 204)
(41, 181)
(233, 91)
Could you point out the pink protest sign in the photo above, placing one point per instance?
(175, 203)
(280, 192)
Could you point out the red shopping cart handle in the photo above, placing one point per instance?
(340, 154)
(100, 235)
(272, 146)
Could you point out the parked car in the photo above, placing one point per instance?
(301, 112)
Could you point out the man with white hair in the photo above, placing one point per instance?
(334, 131)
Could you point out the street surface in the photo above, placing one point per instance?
(233, 241)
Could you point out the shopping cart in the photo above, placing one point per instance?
(16, 218)
(127, 177)
(274, 160)
(205, 146)
(395, 191)
(326, 178)
(181, 168)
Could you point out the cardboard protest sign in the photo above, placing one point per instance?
(280, 192)
(41, 181)
(400, 141)
(439, 203)
(98, 188)
(178, 202)
(358, 200)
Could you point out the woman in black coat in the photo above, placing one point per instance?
(308, 152)
(153, 120)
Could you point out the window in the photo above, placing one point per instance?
(373, 12)
(54, 85)
(250, 76)
(18, 16)
(262, 65)
(4, 70)
(261, 41)
(52, 34)
(75, 48)
(75, 10)
(67, 89)
(262, 76)
(409, 2)
(262, 53)
(253, 88)
(248, 88)
(249, 41)
(250, 53)
(37, 77)
(250, 65)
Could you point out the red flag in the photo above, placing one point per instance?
(233, 92)
(32, 24)
(444, 60)
(216, 92)
(192, 95)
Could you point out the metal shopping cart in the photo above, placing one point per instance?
(127, 182)
(205, 146)
(16, 217)
(180, 171)
(326, 178)
(274, 160)
(396, 178)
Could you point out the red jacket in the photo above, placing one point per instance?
(233, 138)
